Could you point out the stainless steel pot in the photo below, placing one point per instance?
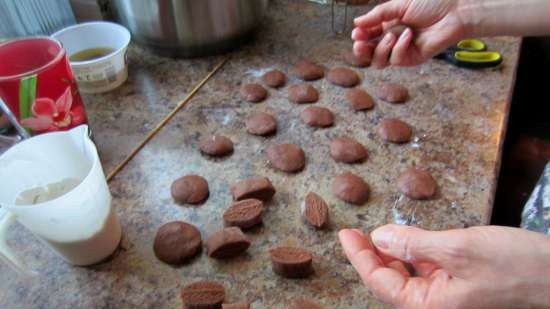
(190, 27)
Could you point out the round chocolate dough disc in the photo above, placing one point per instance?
(286, 157)
(216, 145)
(343, 77)
(356, 61)
(392, 93)
(190, 189)
(303, 93)
(176, 242)
(259, 188)
(254, 93)
(308, 70)
(244, 214)
(291, 262)
(350, 188)
(203, 295)
(317, 116)
(347, 150)
(226, 243)
(274, 78)
(394, 130)
(359, 99)
(417, 184)
(315, 211)
(261, 124)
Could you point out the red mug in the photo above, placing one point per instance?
(38, 85)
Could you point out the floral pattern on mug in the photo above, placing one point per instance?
(53, 116)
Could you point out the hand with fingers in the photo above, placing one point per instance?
(407, 32)
(476, 268)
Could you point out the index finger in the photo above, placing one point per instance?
(387, 11)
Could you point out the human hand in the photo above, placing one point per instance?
(424, 28)
(475, 268)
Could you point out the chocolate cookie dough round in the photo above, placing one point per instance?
(348, 150)
(203, 295)
(350, 188)
(303, 93)
(244, 214)
(176, 242)
(190, 189)
(254, 93)
(315, 211)
(304, 303)
(392, 93)
(286, 157)
(259, 188)
(417, 184)
(216, 145)
(308, 70)
(356, 61)
(359, 99)
(394, 130)
(274, 78)
(291, 262)
(226, 243)
(317, 116)
(261, 124)
(343, 77)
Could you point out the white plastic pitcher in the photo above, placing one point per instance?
(80, 225)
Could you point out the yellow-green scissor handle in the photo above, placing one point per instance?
(473, 45)
(475, 60)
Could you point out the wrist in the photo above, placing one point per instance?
(470, 13)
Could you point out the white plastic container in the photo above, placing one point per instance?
(101, 74)
(70, 208)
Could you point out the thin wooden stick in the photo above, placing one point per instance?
(164, 121)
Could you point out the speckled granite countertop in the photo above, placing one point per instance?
(459, 118)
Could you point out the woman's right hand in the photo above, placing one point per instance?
(429, 27)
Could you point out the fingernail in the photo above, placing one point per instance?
(388, 38)
(381, 237)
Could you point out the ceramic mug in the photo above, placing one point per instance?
(38, 85)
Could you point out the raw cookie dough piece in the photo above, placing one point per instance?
(291, 262)
(417, 184)
(203, 295)
(244, 214)
(392, 93)
(348, 150)
(256, 187)
(274, 78)
(286, 157)
(356, 61)
(343, 77)
(226, 243)
(350, 188)
(308, 70)
(394, 130)
(304, 303)
(302, 93)
(216, 145)
(254, 93)
(176, 242)
(317, 116)
(315, 211)
(236, 306)
(190, 189)
(261, 124)
(359, 99)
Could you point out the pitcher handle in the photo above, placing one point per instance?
(6, 253)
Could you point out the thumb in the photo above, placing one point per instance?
(415, 245)
(387, 11)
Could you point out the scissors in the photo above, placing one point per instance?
(472, 54)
